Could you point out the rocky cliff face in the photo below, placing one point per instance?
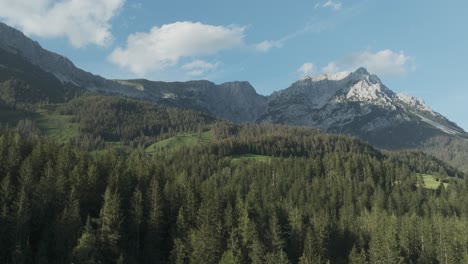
(235, 101)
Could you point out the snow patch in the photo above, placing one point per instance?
(169, 96)
(372, 93)
(415, 102)
(331, 77)
(137, 86)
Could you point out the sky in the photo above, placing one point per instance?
(418, 47)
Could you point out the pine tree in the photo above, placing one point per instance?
(85, 252)
(356, 257)
(229, 257)
(181, 251)
(296, 234)
(67, 228)
(310, 254)
(110, 221)
(153, 222)
(383, 246)
(206, 239)
(136, 221)
(275, 234)
(22, 253)
(6, 196)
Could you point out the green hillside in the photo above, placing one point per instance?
(180, 140)
(60, 127)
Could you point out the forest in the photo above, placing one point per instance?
(315, 198)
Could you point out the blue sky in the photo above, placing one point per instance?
(416, 47)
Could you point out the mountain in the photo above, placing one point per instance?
(357, 103)
(235, 101)
(15, 41)
(22, 82)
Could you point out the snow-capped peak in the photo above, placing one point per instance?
(326, 76)
(359, 74)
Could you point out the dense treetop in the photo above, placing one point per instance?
(318, 198)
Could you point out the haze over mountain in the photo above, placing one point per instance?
(355, 103)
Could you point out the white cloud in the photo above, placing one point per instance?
(199, 67)
(267, 45)
(164, 46)
(330, 4)
(307, 68)
(384, 63)
(83, 22)
(331, 68)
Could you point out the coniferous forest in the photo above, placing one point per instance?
(307, 197)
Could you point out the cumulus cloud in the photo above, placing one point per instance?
(165, 46)
(199, 67)
(385, 63)
(330, 4)
(267, 45)
(83, 22)
(307, 68)
(331, 68)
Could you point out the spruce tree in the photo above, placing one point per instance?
(110, 223)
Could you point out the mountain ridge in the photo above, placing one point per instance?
(64, 69)
(355, 103)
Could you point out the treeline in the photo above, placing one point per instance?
(348, 203)
(114, 118)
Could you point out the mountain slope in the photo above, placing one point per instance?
(15, 41)
(22, 82)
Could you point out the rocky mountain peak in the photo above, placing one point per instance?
(362, 74)
(361, 71)
(355, 103)
(239, 87)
